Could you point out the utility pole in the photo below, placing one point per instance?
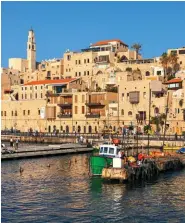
(118, 106)
(166, 113)
(149, 118)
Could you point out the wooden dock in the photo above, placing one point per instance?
(150, 168)
(41, 151)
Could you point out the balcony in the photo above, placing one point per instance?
(61, 115)
(95, 103)
(65, 104)
(145, 61)
(93, 115)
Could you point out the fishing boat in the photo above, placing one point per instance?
(103, 159)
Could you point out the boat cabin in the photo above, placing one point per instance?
(109, 150)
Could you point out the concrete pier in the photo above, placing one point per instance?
(39, 151)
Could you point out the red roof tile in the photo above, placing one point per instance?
(104, 42)
(175, 80)
(61, 81)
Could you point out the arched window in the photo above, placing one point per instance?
(95, 129)
(49, 128)
(90, 129)
(122, 112)
(123, 58)
(129, 113)
(84, 129)
(147, 73)
(67, 129)
(99, 72)
(156, 110)
(61, 128)
(79, 129)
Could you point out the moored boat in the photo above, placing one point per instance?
(103, 159)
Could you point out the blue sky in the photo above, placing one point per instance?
(60, 26)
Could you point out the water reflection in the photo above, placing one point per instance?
(63, 192)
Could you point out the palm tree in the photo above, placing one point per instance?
(137, 47)
(173, 58)
(164, 61)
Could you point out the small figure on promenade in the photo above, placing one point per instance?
(11, 142)
(81, 139)
(16, 143)
(175, 136)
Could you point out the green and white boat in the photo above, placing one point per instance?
(104, 159)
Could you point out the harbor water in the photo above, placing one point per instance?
(59, 189)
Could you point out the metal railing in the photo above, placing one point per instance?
(96, 135)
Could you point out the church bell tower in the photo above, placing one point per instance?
(31, 51)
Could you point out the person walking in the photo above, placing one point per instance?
(11, 142)
(16, 143)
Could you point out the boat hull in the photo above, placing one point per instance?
(97, 163)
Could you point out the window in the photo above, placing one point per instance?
(35, 87)
(1, 113)
(76, 109)
(84, 73)
(69, 69)
(127, 96)
(87, 72)
(41, 87)
(84, 60)
(79, 62)
(129, 113)
(31, 88)
(12, 113)
(38, 111)
(5, 113)
(76, 61)
(101, 149)
(41, 95)
(66, 70)
(79, 73)
(83, 110)
(25, 96)
(122, 112)
(30, 96)
(15, 113)
(24, 112)
(159, 72)
(147, 73)
(111, 150)
(83, 98)
(105, 149)
(76, 98)
(28, 112)
(76, 74)
(144, 94)
(181, 51)
(68, 57)
(35, 95)
(87, 60)
(25, 88)
(122, 96)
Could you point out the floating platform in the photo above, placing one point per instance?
(51, 150)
